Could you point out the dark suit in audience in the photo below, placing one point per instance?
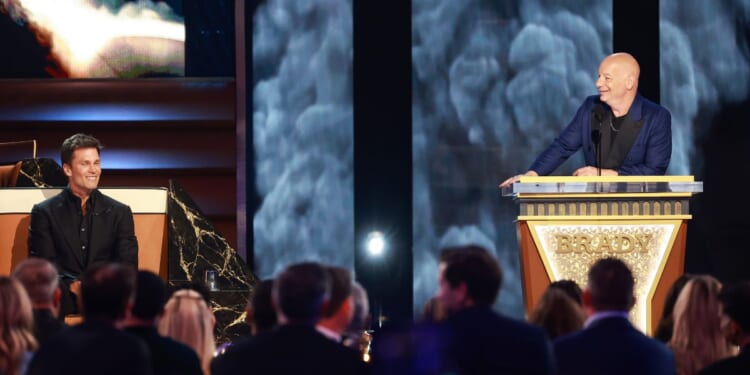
(96, 346)
(40, 279)
(295, 347)
(735, 306)
(474, 338)
(168, 356)
(609, 344)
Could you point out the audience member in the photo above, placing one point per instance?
(571, 288)
(609, 344)
(476, 339)
(557, 313)
(697, 340)
(259, 313)
(338, 312)
(735, 323)
(663, 330)
(17, 341)
(356, 335)
(40, 279)
(432, 312)
(168, 357)
(188, 320)
(300, 293)
(96, 346)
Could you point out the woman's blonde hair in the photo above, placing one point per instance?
(16, 326)
(697, 339)
(557, 313)
(188, 320)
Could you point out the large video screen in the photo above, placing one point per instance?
(92, 38)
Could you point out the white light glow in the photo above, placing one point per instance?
(375, 243)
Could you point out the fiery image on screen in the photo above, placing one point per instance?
(96, 38)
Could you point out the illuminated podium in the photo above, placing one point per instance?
(149, 207)
(566, 223)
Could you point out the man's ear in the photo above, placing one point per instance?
(67, 170)
(56, 297)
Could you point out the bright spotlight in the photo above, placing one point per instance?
(375, 243)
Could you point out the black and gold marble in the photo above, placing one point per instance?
(41, 173)
(195, 247)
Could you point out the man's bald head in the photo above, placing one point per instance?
(627, 63)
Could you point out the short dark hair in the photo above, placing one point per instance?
(610, 284)
(476, 267)
(150, 295)
(341, 289)
(39, 277)
(570, 288)
(264, 315)
(735, 299)
(75, 142)
(300, 291)
(106, 289)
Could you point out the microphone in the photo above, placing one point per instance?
(596, 135)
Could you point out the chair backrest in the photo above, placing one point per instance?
(9, 174)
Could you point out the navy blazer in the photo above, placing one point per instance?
(612, 346)
(649, 123)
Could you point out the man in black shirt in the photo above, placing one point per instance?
(81, 226)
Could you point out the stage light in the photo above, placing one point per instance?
(375, 243)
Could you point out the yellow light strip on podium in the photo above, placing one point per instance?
(568, 250)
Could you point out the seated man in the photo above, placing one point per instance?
(81, 226)
(39, 278)
(608, 343)
(96, 346)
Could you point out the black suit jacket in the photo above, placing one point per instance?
(54, 236)
(94, 348)
(46, 325)
(739, 364)
(168, 357)
(478, 340)
(290, 349)
(612, 346)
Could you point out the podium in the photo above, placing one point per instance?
(149, 206)
(566, 223)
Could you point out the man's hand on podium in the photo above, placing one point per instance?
(516, 178)
(593, 171)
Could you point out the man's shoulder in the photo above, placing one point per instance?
(50, 202)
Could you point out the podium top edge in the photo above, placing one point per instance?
(585, 179)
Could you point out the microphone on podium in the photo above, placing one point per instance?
(596, 135)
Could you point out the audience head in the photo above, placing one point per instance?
(260, 314)
(696, 338)
(188, 319)
(735, 312)
(432, 311)
(16, 325)
(664, 330)
(40, 279)
(196, 286)
(107, 291)
(150, 296)
(557, 313)
(361, 317)
(570, 288)
(300, 292)
(609, 287)
(468, 276)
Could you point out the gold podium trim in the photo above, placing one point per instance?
(608, 217)
(602, 195)
(645, 309)
(546, 179)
